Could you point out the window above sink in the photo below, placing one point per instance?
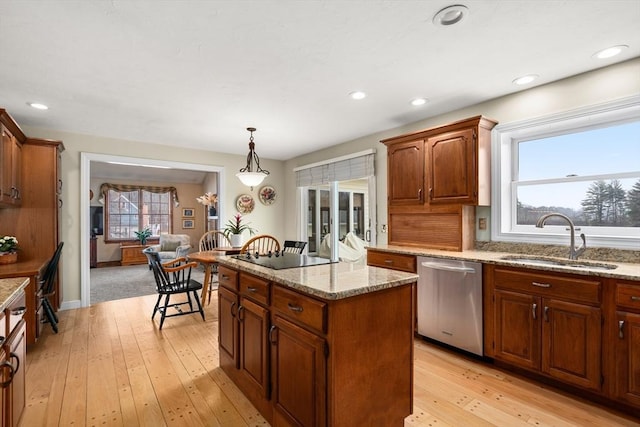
(582, 163)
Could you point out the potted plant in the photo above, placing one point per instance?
(8, 250)
(143, 235)
(234, 228)
(210, 200)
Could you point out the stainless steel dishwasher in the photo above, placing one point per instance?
(450, 302)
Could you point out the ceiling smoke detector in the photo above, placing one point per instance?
(451, 15)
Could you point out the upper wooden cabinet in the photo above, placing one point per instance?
(435, 177)
(446, 164)
(405, 172)
(10, 161)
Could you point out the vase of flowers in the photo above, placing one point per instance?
(234, 229)
(209, 200)
(8, 250)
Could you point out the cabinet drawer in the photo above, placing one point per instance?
(393, 261)
(549, 285)
(254, 288)
(300, 308)
(628, 295)
(228, 278)
(15, 312)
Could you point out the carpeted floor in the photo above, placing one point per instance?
(112, 283)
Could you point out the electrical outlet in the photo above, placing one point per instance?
(482, 223)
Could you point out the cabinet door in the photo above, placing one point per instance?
(572, 334)
(18, 358)
(405, 172)
(228, 328)
(254, 345)
(627, 364)
(517, 329)
(298, 374)
(6, 159)
(452, 175)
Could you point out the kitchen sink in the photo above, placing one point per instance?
(559, 262)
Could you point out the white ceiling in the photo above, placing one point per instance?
(198, 73)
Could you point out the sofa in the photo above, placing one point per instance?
(172, 246)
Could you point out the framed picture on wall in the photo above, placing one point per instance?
(188, 213)
(188, 223)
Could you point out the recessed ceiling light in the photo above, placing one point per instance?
(610, 51)
(37, 105)
(418, 101)
(358, 95)
(525, 79)
(450, 15)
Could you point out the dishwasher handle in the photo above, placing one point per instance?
(437, 266)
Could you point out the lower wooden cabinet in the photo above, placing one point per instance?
(627, 363)
(276, 344)
(545, 323)
(298, 370)
(13, 361)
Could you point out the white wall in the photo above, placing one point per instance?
(605, 84)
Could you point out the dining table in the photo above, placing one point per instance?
(209, 259)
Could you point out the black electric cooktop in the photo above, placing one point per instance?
(283, 261)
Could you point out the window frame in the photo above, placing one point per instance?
(505, 139)
(151, 239)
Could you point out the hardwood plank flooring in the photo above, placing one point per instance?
(110, 366)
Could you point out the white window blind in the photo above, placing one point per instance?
(339, 170)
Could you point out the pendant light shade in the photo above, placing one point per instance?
(249, 175)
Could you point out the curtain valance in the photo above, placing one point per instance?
(104, 188)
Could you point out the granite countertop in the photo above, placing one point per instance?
(329, 281)
(589, 267)
(9, 288)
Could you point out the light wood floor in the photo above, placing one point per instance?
(109, 365)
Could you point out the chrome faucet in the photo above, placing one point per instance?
(573, 252)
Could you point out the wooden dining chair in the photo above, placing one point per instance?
(293, 246)
(174, 278)
(212, 240)
(208, 242)
(47, 288)
(262, 244)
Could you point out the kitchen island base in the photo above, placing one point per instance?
(303, 360)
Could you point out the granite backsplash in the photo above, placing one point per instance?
(595, 254)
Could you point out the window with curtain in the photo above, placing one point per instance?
(133, 208)
(353, 198)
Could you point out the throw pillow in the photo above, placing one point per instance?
(169, 246)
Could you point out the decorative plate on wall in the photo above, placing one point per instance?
(245, 204)
(267, 195)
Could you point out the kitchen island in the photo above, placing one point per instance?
(323, 345)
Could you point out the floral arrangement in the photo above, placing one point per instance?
(8, 244)
(208, 199)
(235, 226)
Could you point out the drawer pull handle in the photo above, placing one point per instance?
(534, 309)
(635, 298)
(19, 311)
(541, 285)
(233, 304)
(252, 289)
(271, 331)
(6, 383)
(225, 277)
(621, 329)
(388, 261)
(295, 308)
(13, 355)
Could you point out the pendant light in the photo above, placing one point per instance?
(247, 175)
